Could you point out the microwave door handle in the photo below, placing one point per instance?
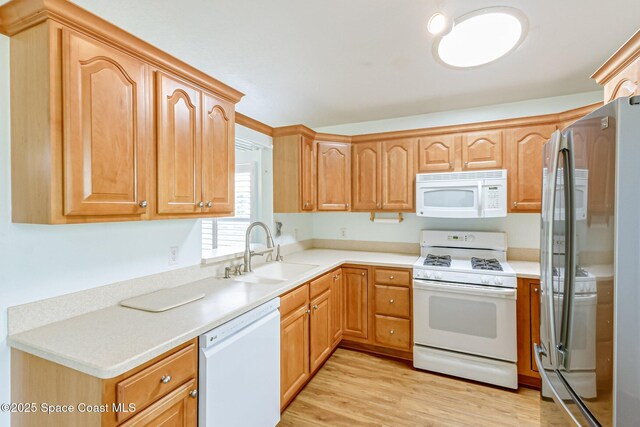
(480, 211)
(547, 259)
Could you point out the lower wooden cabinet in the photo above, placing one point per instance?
(163, 391)
(337, 304)
(528, 318)
(294, 351)
(355, 322)
(321, 336)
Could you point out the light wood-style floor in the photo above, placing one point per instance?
(357, 389)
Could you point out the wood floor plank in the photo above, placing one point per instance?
(358, 389)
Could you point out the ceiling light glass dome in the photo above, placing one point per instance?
(481, 37)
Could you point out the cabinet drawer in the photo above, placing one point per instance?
(180, 405)
(393, 332)
(393, 277)
(321, 284)
(294, 299)
(157, 380)
(393, 301)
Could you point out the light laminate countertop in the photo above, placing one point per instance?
(108, 342)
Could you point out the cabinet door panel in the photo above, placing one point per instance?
(398, 175)
(308, 175)
(366, 176)
(525, 171)
(534, 309)
(355, 313)
(334, 176)
(294, 354)
(336, 307)
(321, 336)
(106, 129)
(218, 155)
(179, 147)
(437, 153)
(482, 150)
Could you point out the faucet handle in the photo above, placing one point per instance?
(227, 272)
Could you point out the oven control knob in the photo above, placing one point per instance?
(427, 274)
(498, 281)
(418, 274)
(484, 280)
(437, 275)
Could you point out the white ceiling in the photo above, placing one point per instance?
(326, 62)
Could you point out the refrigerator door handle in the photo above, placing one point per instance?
(563, 347)
(547, 260)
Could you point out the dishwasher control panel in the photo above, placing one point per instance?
(236, 324)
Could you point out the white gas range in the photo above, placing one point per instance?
(464, 305)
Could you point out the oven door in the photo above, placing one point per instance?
(479, 320)
(449, 199)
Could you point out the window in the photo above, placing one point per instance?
(230, 232)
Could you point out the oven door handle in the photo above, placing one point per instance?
(483, 291)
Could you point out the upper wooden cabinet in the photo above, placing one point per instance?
(106, 129)
(179, 159)
(294, 171)
(437, 153)
(524, 147)
(398, 174)
(482, 150)
(383, 175)
(195, 150)
(218, 154)
(366, 179)
(334, 176)
(84, 147)
(620, 75)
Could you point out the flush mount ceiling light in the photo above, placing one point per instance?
(481, 37)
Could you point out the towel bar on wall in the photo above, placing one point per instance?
(393, 220)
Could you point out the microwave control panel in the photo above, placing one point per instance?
(492, 197)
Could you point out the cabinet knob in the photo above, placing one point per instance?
(306, 204)
(390, 301)
(363, 273)
(390, 277)
(535, 290)
(335, 277)
(209, 204)
(392, 332)
(378, 205)
(201, 204)
(193, 393)
(315, 307)
(308, 311)
(143, 204)
(165, 379)
(515, 204)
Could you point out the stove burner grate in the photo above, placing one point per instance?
(438, 260)
(485, 264)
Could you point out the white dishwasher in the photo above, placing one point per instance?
(239, 370)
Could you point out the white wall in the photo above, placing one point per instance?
(523, 230)
(531, 107)
(38, 261)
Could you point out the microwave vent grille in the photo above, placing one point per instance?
(492, 174)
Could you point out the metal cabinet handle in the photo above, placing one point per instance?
(466, 163)
(378, 205)
(193, 393)
(209, 204)
(201, 204)
(165, 379)
(392, 332)
(143, 204)
(391, 301)
(306, 204)
(308, 311)
(390, 277)
(335, 277)
(315, 307)
(515, 204)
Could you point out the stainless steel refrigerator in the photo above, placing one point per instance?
(589, 350)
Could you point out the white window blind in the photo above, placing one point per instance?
(230, 232)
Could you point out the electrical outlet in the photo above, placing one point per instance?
(173, 255)
(343, 232)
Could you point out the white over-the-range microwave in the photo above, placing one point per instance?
(472, 194)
